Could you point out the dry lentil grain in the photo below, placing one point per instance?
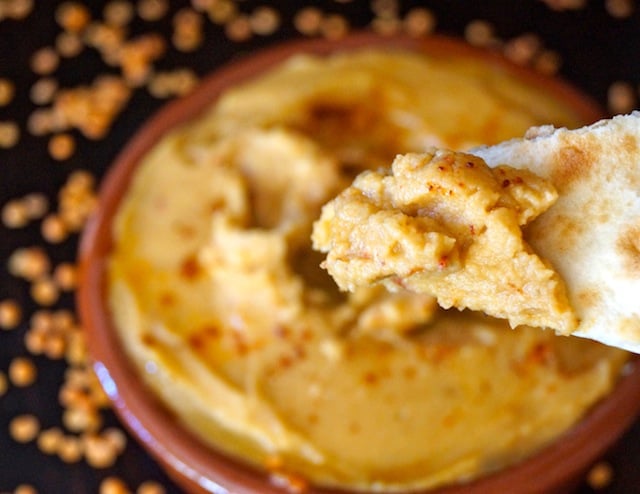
(600, 476)
(118, 12)
(7, 91)
(238, 29)
(419, 21)
(24, 428)
(68, 44)
(15, 214)
(65, 276)
(151, 487)
(69, 449)
(22, 372)
(308, 20)
(479, 33)
(264, 20)
(9, 134)
(222, 12)
(49, 440)
(54, 229)
(10, 314)
(43, 91)
(113, 485)
(44, 61)
(81, 419)
(72, 16)
(547, 62)
(61, 146)
(44, 291)
(99, 452)
(621, 97)
(387, 25)
(36, 205)
(29, 263)
(334, 26)
(40, 122)
(620, 9)
(152, 10)
(16, 9)
(4, 384)
(25, 489)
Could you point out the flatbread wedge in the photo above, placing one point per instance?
(591, 234)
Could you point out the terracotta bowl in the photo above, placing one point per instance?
(198, 468)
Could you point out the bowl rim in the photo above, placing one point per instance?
(197, 467)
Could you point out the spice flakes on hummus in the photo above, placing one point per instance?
(220, 302)
(443, 223)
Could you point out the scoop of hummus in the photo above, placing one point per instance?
(444, 223)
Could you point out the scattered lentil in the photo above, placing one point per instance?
(29, 263)
(264, 20)
(4, 384)
(44, 291)
(99, 451)
(600, 476)
(69, 44)
(222, 11)
(7, 90)
(43, 91)
(61, 147)
(620, 9)
(65, 276)
(15, 214)
(479, 33)
(9, 134)
(44, 61)
(152, 10)
(36, 205)
(116, 437)
(522, 49)
(54, 229)
(150, 487)
(22, 372)
(308, 20)
(10, 314)
(15, 9)
(118, 12)
(547, 62)
(25, 489)
(113, 485)
(238, 29)
(72, 16)
(621, 97)
(334, 26)
(69, 448)
(24, 428)
(419, 21)
(49, 440)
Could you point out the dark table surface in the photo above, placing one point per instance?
(597, 43)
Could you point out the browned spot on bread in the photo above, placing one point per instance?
(629, 247)
(588, 298)
(629, 144)
(571, 165)
(629, 328)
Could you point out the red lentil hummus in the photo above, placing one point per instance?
(222, 305)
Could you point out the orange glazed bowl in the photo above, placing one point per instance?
(199, 468)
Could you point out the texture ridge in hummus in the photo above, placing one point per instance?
(443, 223)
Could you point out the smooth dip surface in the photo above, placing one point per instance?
(222, 305)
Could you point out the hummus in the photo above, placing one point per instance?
(445, 224)
(221, 304)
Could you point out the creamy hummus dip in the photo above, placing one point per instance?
(221, 304)
(444, 223)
